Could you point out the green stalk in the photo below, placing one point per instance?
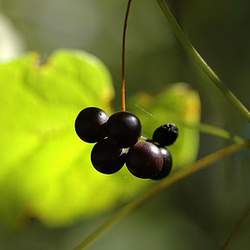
(200, 62)
(215, 131)
(162, 185)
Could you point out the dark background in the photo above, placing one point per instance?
(199, 212)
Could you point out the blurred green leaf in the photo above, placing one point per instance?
(178, 104)
(45, 169)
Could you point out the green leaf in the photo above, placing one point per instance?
(178, 104)
(45, 169)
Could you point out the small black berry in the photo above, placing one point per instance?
(124, 128)
(167, 165)
(107, 157)
(166, 134)
(90, 124)
(144, 160)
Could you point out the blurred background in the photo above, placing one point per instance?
(199, 212)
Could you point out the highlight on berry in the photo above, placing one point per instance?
(119, 141)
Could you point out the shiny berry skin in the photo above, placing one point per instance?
(90, 124)
(167, 165)
(124, 128)
(107, 157)
(144, 160)
(166, 134)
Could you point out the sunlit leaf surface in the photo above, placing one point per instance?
(45, 170)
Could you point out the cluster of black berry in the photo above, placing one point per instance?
(118, 141)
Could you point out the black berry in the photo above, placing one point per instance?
(124, 128)
(107, 157)
(166, 134)
(167, 165)
(90, 124)
(144, 160)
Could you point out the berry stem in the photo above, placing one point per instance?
(123, 56)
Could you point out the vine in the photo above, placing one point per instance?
(200, 62)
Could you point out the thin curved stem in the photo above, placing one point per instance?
(236, 229)
(162, 185)
(124, 35)
(200, 62)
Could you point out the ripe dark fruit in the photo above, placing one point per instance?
(166, 134)
(144, 160)
(167, 165)
(124, 128)
(90, 124)
(107, 157)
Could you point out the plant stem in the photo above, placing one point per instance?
(236, 229)
(215, 131)
(124, 35)
(162, 185)
(200, 62)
